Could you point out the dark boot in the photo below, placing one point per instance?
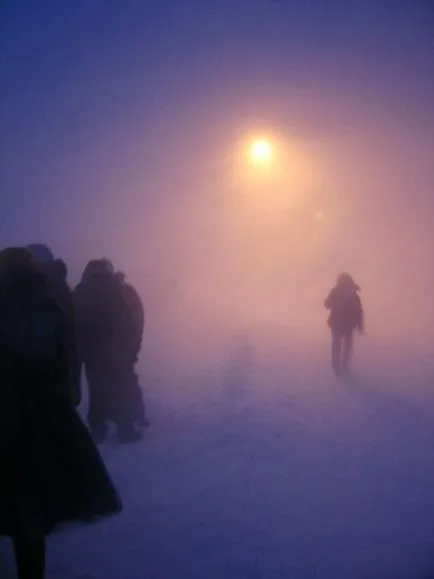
(127, 433)
(143, 422)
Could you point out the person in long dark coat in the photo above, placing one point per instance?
(346, 315)
(57, 275)
(51, 473)
(131, 344)
(101, 313)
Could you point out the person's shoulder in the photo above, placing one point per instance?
(128, 288)
(132, 294)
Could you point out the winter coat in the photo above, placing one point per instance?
(100, 309)
(345, 306)
(49, 466)
(63, 295)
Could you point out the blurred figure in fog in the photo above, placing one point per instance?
(101, 317)
(131, 346)
(50, 471)
(346, 315)
(57, 274)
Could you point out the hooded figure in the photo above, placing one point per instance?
(346, 315)
(102, 314)
(56, 272)
(50, 471)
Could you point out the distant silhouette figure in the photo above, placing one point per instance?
(50, 471)
(346, 315)
(57, 273)
(102, 314)
(131, 346)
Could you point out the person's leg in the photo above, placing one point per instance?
(97, 415)
(127, 431)
(336, 352)
(348, 351)
(30, 549)
(139, 405)
(123, 402)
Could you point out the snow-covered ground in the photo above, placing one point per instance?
(266, 467)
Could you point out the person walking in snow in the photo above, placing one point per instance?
(51, 473)
(346, 315)
(101, 313)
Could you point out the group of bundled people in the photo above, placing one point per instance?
(51, 472)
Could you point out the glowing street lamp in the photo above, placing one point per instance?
(261, 151)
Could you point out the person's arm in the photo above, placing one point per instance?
(328, 302)
(138, 313)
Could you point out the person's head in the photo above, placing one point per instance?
(346, 281)
(17, 265)
(16, 259)
(98, 268)
(41, 253)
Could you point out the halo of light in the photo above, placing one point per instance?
(261, 151)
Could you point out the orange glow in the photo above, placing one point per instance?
(261, 151)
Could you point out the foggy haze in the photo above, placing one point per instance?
(124, 129)
(112, 140)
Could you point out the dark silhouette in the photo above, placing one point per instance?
(61, 270)
(102, 316)
(50, 471)
(56, 272)
(131, 346)
(346, 315)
